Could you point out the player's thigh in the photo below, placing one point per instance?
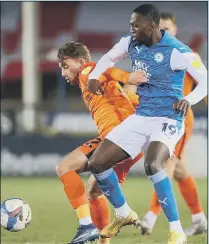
(131, 135)
(77, 159)
(105, 156)
(164, 135)
(167, 131)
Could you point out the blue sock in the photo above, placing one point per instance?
(108, 183)
(164, 190)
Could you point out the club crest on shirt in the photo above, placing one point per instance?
(158, 57)
(86, 70)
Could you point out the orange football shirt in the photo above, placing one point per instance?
(110, 109)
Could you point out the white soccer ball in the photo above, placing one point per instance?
(15, 214)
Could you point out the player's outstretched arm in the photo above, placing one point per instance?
(117, 75)
(118, 52)
(133, 78)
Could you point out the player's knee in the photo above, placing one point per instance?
(63, 167)
(95, 168)
(59, 169)
(180, 174)
(152, 166)
(178, 177)
(96, 164)
(157, 154)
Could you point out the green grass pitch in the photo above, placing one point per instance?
(54, 221)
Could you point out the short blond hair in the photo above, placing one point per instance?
(166, 16)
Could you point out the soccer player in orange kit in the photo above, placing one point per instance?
(176, 168)
(108, 111)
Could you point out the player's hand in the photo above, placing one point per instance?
(95, 87)
(182, 107)
(137, 77)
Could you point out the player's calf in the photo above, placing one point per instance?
(107, 155)
(68, 170)
(99, 208)
(146, 225)
(73, 185)
(157, 154)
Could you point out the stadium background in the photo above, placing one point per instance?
(37, 130)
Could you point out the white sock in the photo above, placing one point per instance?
(85, 221)
(123, 211)
(151, 219)
(198, 216)
(176, 226)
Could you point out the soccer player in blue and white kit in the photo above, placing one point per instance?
(157, 124)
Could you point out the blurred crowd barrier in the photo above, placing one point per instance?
(36, 154)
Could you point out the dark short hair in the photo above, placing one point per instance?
(149, 11)
(169, 16)
(73, 50)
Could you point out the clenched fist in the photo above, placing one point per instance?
(95, 87)
(182, 107)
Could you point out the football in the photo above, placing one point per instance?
(15, 214)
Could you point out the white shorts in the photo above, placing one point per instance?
(135, 133)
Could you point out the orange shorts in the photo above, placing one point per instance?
(189, 124)
(90, 146)
(121, 168)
